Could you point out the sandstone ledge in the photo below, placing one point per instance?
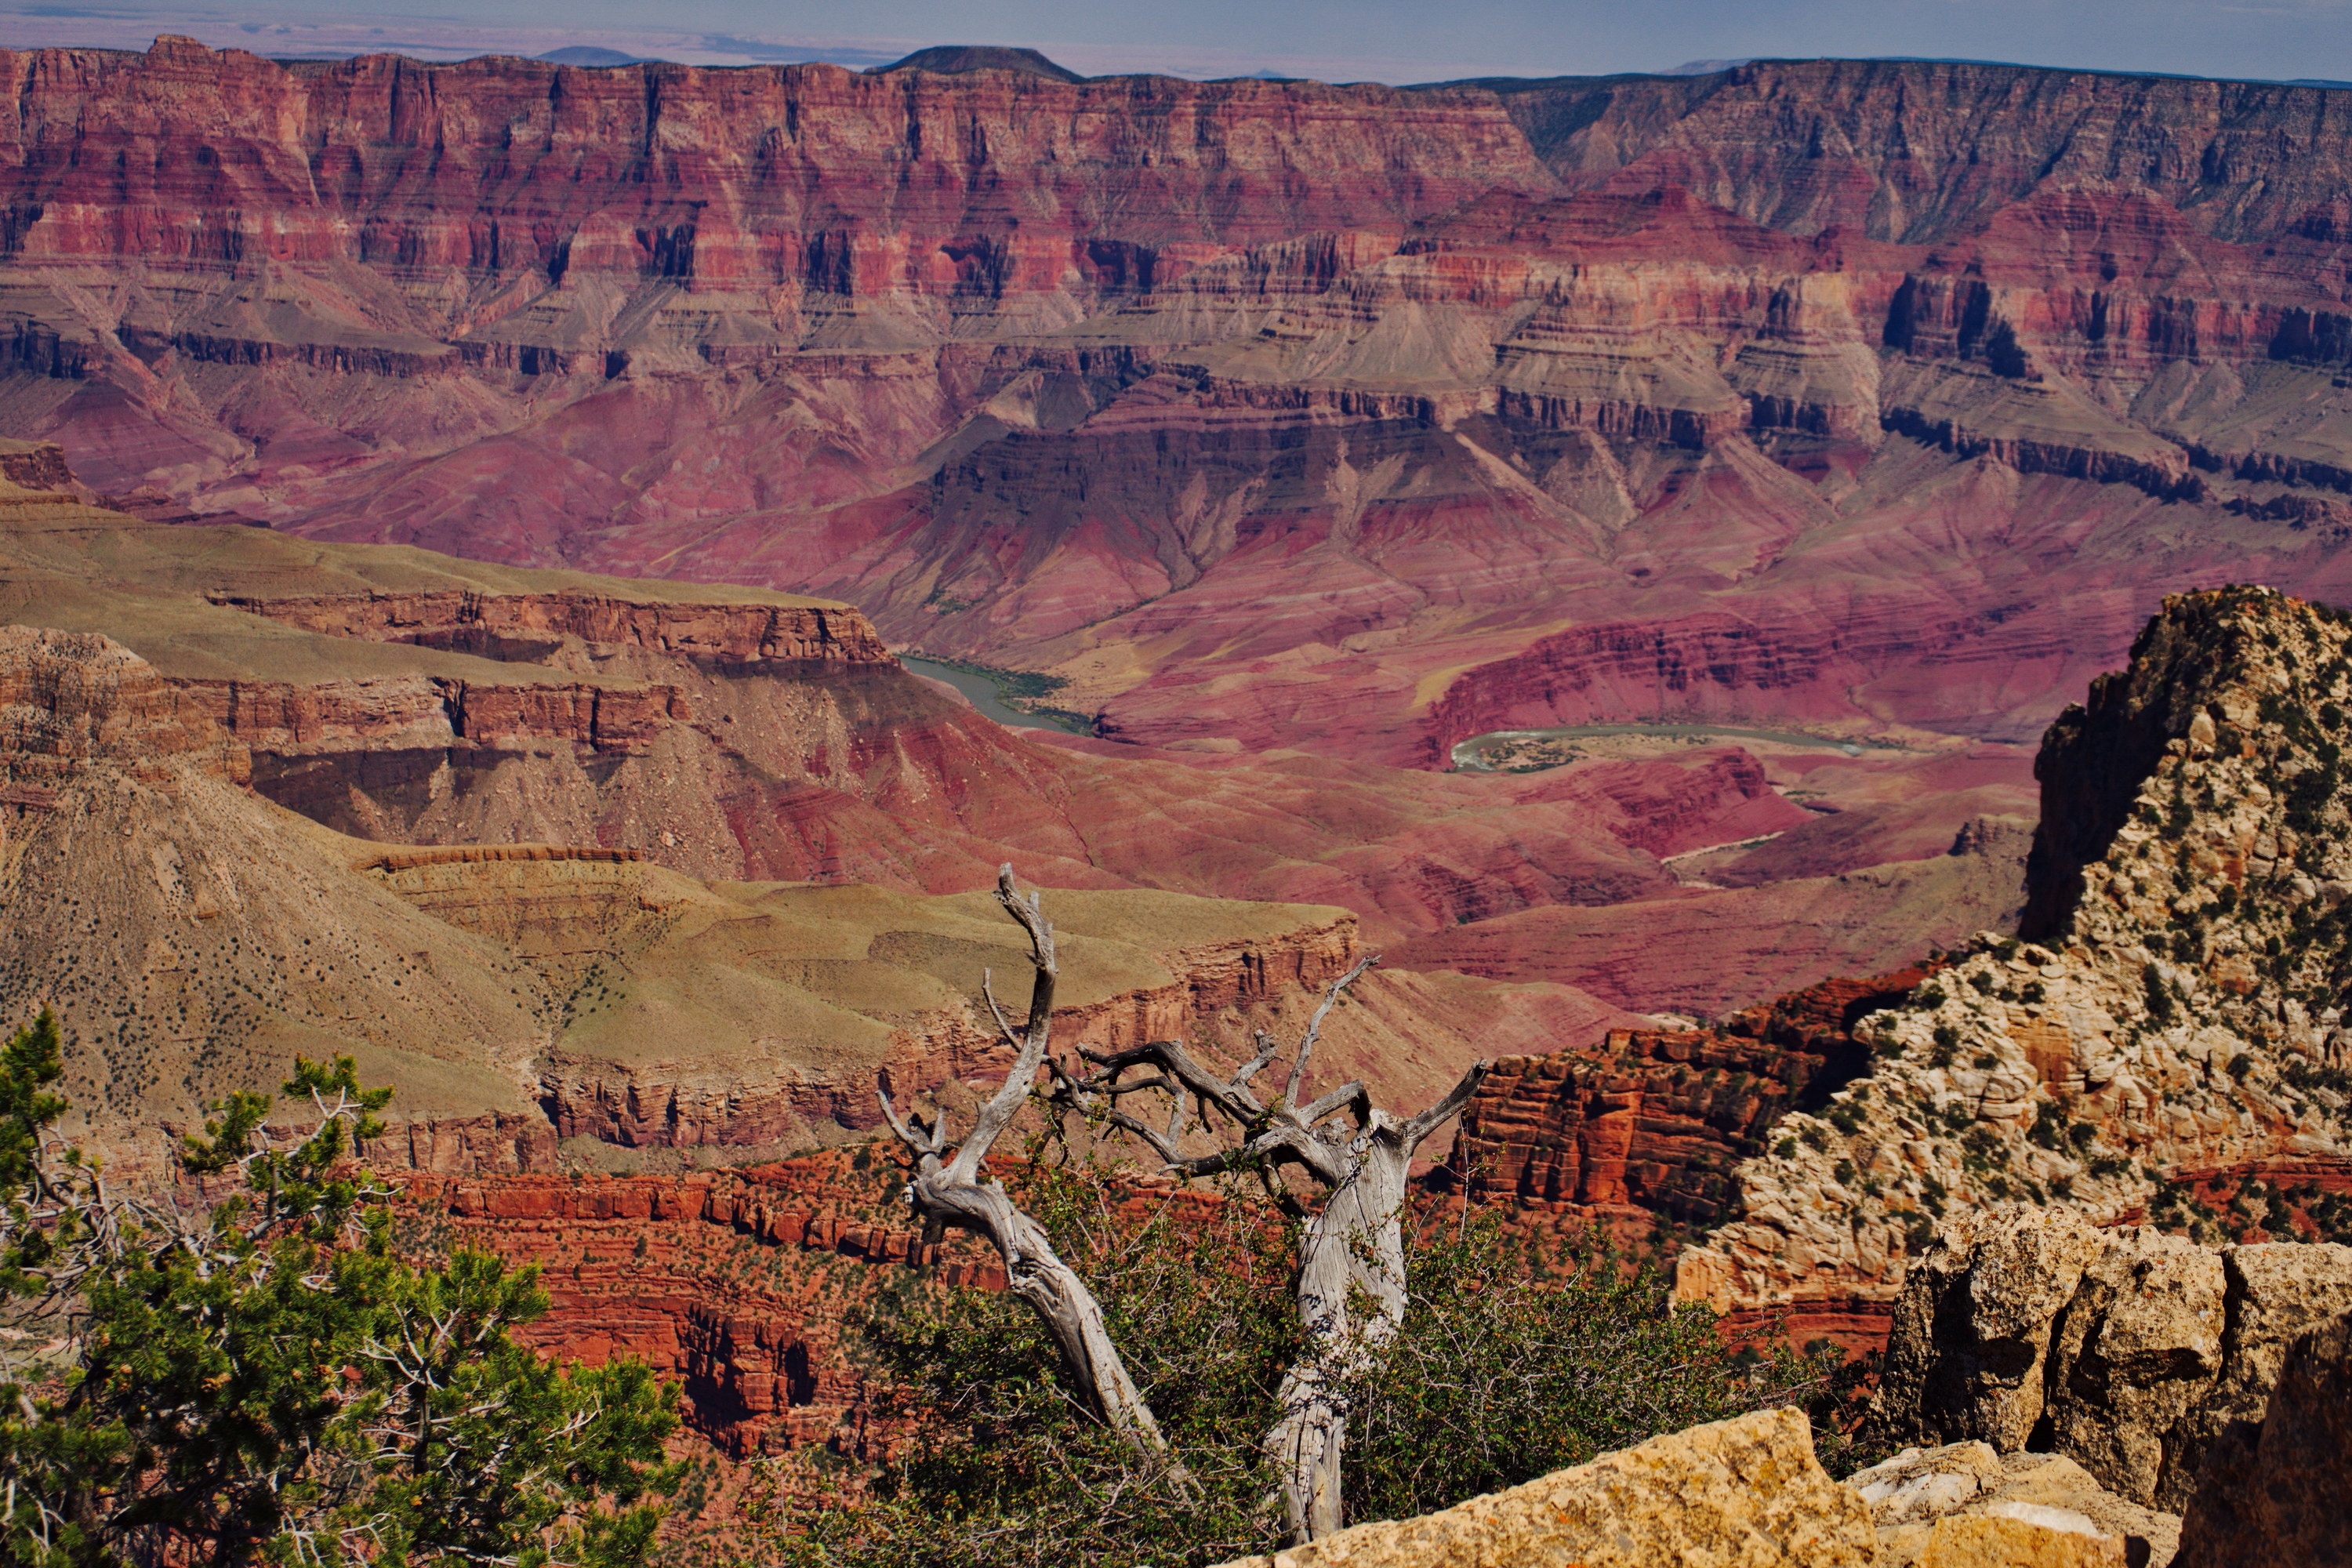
(1746, 1491)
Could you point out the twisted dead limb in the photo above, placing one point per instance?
(949, 1191)
(1351, 1274)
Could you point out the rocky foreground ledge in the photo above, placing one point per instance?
(2076, 1386)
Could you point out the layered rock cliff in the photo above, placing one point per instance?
(1802, 391)
(1655, 1122)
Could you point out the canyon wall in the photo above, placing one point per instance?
(731, 734)
(739, 1285)
(1350, 418)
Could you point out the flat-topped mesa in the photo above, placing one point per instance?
(468, 621)
(2181, 1008)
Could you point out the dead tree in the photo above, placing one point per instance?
(948, 1189)
(1351, 1275)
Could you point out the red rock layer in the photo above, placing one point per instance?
(1654, 1121)
(283, 719)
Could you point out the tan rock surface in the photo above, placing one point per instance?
(2130, 1352)
(1991, 1541)
(2281, 1495)
(1918, 1490)
(2054, 1481)
(1743, 1493)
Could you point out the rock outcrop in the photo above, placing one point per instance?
(72, 699)
(1747, 1491)
(2135, 1353)
(2280, 1493)
(2177, 1011)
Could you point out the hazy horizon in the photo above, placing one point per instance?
(1383, 40)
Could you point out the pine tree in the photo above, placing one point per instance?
(261, 1378)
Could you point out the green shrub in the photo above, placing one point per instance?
(265, 1381)
(1513, 1361)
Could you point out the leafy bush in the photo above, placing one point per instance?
(1512, 1361)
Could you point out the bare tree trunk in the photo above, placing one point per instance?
(1352, 1301)
(949, 1192)
(1351, 1274)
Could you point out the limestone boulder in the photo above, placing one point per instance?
(1922, 1484)
(2130, 1352)
(2135, 1359)
(2280, 1494)
(1743, 1493)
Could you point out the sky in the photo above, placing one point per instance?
(1333, 40)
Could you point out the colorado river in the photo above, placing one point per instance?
(984, 694)
(1471, 755)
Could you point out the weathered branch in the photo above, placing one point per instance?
(1417, 1130)
(998, 1112)
(1315, 1026)
(949, 1192)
